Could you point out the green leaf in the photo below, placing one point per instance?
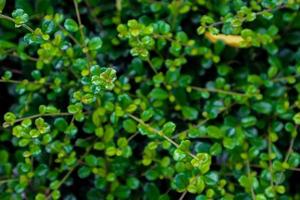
(147, 114)
(133, 183)
(61, 124)
(95, 43)
(229, 143)
(202, 161)
(163, 27)
(196, 185)
(211, 178)
(260, 197)
(248, 182)
(7, 75)
(56, 194)
(23, 142)
(155, 6)
(71, 130)
(201, 197)
(9, 118)
(122, 142)
(248, 121)
(48, 26)
(2, 5)
(262, 107)
(71, 25)
(41, 170)
(179, 155)
(296, 118)
(267, 15)
(106, 78)
(201, 30)
(111, 151)
(91, 160)
(168, 128)
(99, 132)
(157, 62)
(190, 112)
(215, 149)
(3, 156)
(25, 167)
(215, 132)
(40, 196)
(144, 130)
(151, 191)
(20, 17)
(34, 133)
(122, 192)
(129, 125)
(270, 192)
(109, 133)
(181, 181)
(294, 160)
(272, 71)
(195, 132)
(84, 172)
(27, 6)
(74, 108)
(280, 189)
(134, 27)
(158, 93)
(152, 174)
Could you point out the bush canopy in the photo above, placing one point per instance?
(150, 100)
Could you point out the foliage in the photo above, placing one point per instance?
(142, 99)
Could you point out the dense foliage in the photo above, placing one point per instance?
(145, 99)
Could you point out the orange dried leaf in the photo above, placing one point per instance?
(230, 40)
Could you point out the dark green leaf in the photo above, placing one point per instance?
(71, 25)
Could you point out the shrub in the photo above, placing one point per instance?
(145, 99)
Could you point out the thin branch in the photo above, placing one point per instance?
(131, 137)
(71, 170)
(119, 5)
(14, 21)
(8, 181)
(183, 195)
(285, 78)
(36, 116)
(94, 16)
(202, 122)
(243, 19)
(151, 65)
(160, 133)
(70, 36)
(16, 71)
(287, 156)
(290, 169)
(270, 159)
(249, 176)
(10, 81)
(32, 58)
(214, 90)
(81, 31)
(79, 20)
(290, 149)
(28, 57)
(25, 81)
